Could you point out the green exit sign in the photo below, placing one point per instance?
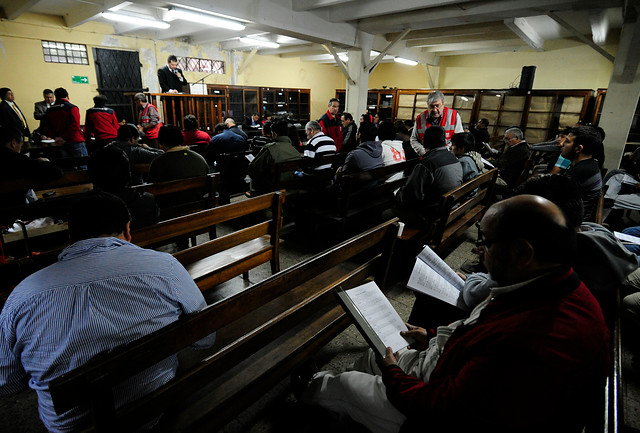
(78, 79)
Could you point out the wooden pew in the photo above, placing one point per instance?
(358, 201)
(207, 185)
(223, 258)
(458, 211)
(263, 333)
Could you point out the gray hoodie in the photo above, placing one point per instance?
(366, 156)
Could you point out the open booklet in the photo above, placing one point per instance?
(627, 239)
(433, 277)
(375, 317)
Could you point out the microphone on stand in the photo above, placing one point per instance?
(203, 78)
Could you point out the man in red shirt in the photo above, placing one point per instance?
(62, 123)
(531, 357)
(101, 123)
(331, 124)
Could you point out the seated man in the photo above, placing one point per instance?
(462, 146)
(279, 150)
(14, 165)
(579, 147)
(437, 173)
(224, 141)
(128, 140)
(110, 172)
(265, 138)
(235, 128)
(532, 357)
(367, 155)
(511, 161)
(254, 121)
(318, 143)
(196, 139)
(102, 293)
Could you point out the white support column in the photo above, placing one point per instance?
(356, 103)
(622, 95)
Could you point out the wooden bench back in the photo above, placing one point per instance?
(460, 209)
(205, 186)
(273, 326)
(307, 165)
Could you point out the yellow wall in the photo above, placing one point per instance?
(23, 69)
(565, 64)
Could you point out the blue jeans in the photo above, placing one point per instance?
(633, 231)
(75, 150)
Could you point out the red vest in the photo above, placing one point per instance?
(448, 122)
(151, 133)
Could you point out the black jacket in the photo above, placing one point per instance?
(168, 80)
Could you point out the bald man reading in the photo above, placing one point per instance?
(531, 357)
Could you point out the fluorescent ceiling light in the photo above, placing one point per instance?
(343, 57)
(405, 61)
(259, 42)
(201, 18)
(145, 22)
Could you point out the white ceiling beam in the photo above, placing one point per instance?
(463, 30)
(526, 32)
(372, 65)
(487, 50)
(489, 36)
(372, 8)
(509, 43)
(580, 36)
(307, 5)
(179, 29)
(296, 49)
(83, 12)
(278, 17)
(341, 65)
(14, 8)
(476, 12)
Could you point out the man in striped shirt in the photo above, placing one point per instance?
(318, 143)
(102, 293)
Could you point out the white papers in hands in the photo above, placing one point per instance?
(433, 277)
(375, 317)
(627, 239)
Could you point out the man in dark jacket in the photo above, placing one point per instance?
(511, 162)
(170, 76)
(367, 155)
(349, 133)
(438, 172)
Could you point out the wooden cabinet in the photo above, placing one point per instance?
(242, 101)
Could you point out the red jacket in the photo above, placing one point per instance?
(63, 120)
(332, 126)
(196, 137)
(447, 121)
(535, 360)
(102, 123)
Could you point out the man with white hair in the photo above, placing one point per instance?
(436, 115)
(318, 143)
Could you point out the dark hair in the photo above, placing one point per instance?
(386, 131)
(293, 135)
(366, 118)
(464, 141)
(170, 136)
(97, 214)
(127, 131)
(588, 138)
(3, 92)
(220, 127)
(332, 100)
(552, 242)
(172, 58)
(484, 121)
(434, 137)
(266, 127)
(408, 123)
(190, 122)
(100, 100)
(368, 132)
(60, 93)
(109, 169)
(347, 116)
(564, 191)
(400, 126)
(8, 133)
(47, 92)
(280, 127)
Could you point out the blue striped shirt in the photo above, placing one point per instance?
(102, 293)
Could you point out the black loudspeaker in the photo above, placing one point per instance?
(526, 79)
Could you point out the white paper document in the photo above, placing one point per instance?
(627, 238)
(433, 277)
(374, 315)
(250, 157)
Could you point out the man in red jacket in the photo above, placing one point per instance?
(101, 123)
(331, 124)
(62, 123)
(531, 357)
